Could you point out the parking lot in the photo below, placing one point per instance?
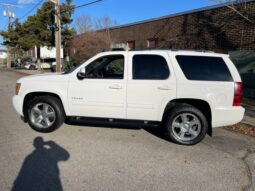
(80, 157)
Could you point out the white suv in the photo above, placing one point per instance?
(187, 92)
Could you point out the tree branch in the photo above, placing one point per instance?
(235, 10)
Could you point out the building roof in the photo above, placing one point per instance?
(184, 13)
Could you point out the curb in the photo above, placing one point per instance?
(21, 72)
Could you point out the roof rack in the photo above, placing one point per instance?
(119, 48)
(174, 50)
(193, 50)
(146, 49)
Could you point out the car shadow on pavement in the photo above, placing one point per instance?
(158, 132)
(101, 124)
(40, 170)
(153, 130)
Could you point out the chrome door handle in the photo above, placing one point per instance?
(115, 86)
(164, 88)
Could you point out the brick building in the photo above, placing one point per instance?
(220, 28)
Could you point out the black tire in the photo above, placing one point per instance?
(32, 67)
(178, 110)
(55, 104)
(53, 68)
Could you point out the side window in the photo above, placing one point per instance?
(107, 67)
(204, 68)
(150, 67)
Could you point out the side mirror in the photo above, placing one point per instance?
(82, 73)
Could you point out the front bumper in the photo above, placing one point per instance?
(17, 103)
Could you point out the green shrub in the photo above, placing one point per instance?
(71, 64)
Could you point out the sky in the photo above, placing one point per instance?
(123, 11)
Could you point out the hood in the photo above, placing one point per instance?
(44, 77)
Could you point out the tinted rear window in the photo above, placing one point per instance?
(204, 68)
(150, 67)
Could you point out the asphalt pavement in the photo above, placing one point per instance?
(249, 117)
(80, 157)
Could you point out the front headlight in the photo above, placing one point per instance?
(18, 85)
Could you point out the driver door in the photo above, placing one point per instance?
(102, 93)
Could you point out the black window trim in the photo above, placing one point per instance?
(169, 73)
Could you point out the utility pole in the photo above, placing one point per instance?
(57, 34)
(9, 15)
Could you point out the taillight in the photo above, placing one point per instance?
(238, 94)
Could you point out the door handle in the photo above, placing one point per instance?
(115, 86)
(164, 87)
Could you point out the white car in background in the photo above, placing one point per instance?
(47, 63)
(30, 65)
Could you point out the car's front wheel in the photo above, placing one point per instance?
(45, 114)
(185, 124)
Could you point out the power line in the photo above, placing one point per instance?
(86, 4)
(36, 5)
(82, 5)
(75, 7)
(9, 4)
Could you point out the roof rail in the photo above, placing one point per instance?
(174, 50)
(194, 50)
(146, 49)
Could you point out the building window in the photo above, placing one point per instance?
(152, 43)
(131, 44)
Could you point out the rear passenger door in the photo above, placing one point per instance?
(151, 84)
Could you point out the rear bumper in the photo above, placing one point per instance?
(227, 116)
(17, 103)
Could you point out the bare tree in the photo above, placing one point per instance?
(89, 44)
(211, 29)
(104, 22)
(94, 36)
(230, 4)
(83, 23)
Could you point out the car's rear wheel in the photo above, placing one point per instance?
(186, 125)
(53, 68)
(45, 114)
(32, 67)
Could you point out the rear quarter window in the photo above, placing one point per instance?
(204, 68)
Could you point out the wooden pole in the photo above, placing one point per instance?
(9, 29)
(58, 36)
